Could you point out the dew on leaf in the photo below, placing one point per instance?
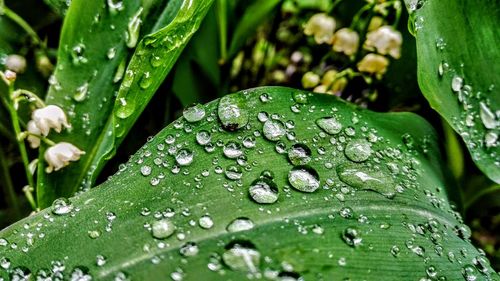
(194, 113)
(61, 206)
(232, 112)
(364, 178)
(304, 178)
(203, 137)
(242, 256)
(330, 125)
(263, 191)
(358, 150)
(162, 229)
(184, 157)
(299, 154)
(273, 130)
(240, 224)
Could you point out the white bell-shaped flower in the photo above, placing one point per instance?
(321, 26)
(59, 155)
(346, 41)
(373, 64)
(386, 40)
(50, 117)
(33, 129)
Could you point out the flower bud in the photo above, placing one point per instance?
(59, 156)
(346, 41)
(373, 64)
(16, 63)
(50, 117)
(386, 40)
(33, 129)
(310, 79)
(321, 26)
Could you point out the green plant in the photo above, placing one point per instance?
(266, 183)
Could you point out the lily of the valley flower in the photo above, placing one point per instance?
(16, 63)
(59, 155)
(33, 129)
(373, 64)
(321, 26)
(386, 40)
(50, 117)
(346, 41)
(310, 79)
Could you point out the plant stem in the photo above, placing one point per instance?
(9, 187)
(222, 24)
(20, 143)
(23, 24)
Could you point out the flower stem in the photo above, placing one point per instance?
(20, 143)
(23, 24)
(9, 187)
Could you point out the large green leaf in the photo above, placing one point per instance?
(379, 211)
(96, 42)
(457, 49)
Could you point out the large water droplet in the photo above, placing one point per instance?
(81, 92)
(361, 177)
(162, 229)
(273, 130)
(232, 149)
(330, 125)
(352, 236)
(203, 137)
(358, 150)
(232, 112)
(194, 113)
(304, 178)
(189, 249)
(264, 191)
(487, 116)
(242, 256)
(61, 206)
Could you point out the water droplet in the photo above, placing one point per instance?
(487, 116)
(240, 224)
(232, 150)
(111, 53)
(457, 83)
(146, 170)
(234, 172)
(352, 236)
(78, 54)
(184, 157)
(300, 97)
(80, 273)
(330, 125)
(273, 130)
(114, 7)
(364, 178)
(299, 154)
(162, 229)
(469, 272)
(194, 113)
(232, 112)
(81, 92)
(133, 28)
(100, 260)
(358, 150)
(304, 178)
(189, 249)
(241, 256)
(206, 222)
(264, 191)
(61, 206)
(203, 137)
(125, 108)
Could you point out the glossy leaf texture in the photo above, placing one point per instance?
(270, 183)
(94, 67)
(457, 45)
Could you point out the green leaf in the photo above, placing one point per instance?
(92, 55)
(254, 15)
(379, 212)
(58, 6)
(457, 43)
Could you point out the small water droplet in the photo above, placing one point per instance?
(203, 137)
(273, 130)
(241, 256)
(358, 150)
(189, 249)
(194, 113)
(232, 112)
(330, 125)
(184, 157)
(61, 206)
(299, 154)
(162, 229)
(232, 150)
(240, 224)
(206, 222)
(352, 236)
(264, 191)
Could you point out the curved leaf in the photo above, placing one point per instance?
(457, 47)
(379, 212)
(95, 44)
